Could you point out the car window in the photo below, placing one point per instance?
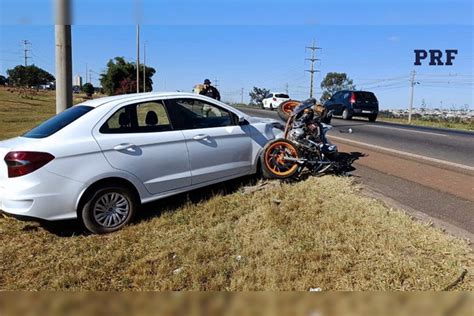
(281, 95)
(58, 122)
(193, 114)
(365, 96)
(138, 118)
(346, 96)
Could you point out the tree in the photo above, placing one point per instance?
(88, 89)
(28, 76)
(334, 82)
(3, 80)
(121, 77)
(257, 95)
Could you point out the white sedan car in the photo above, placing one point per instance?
(98, 160)
(273, 100)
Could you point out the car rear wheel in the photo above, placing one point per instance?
(108, 209)
(346, 115)
(372, 118)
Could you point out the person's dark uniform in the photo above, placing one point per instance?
(210, 91)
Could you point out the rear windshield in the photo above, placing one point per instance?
(365, 96)
(58, 122)
(281, 95)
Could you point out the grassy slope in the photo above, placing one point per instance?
(322, 234)
(18, 115)
(319, 233)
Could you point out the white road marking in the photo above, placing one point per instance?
(407, 130)
(401, 153)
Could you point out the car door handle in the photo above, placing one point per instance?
(126, 146)
(201, 137)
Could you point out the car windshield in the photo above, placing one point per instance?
(58, 122)
(281, 95)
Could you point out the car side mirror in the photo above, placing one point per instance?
(242, 120)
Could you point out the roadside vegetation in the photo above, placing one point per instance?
(438, 123)
(319, 233)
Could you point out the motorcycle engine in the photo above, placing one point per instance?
(296, 134)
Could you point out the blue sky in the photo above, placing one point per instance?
(260, 43)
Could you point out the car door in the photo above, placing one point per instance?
(218, 146)
(139, 139)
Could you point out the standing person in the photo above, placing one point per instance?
(210, 91)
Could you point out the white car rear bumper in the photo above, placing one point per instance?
(28, 197)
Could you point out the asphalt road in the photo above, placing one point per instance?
(427, 171)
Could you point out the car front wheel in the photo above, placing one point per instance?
(108, 209)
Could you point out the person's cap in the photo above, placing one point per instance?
(207, 81)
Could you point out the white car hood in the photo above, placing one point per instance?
(254, 119)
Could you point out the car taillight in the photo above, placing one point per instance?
(274, 99)
(353, 98)
(20, 163)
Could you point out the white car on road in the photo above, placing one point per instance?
(99, 160)
(273, 100)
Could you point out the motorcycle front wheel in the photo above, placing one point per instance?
(280, 159)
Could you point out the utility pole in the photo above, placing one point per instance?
(216, 83)
(138, 58)
(144, 67)
(87, 71)
(286, 88)
(90, 76)
(412, 90)
(26, 50)
(312, 70)
(62, 31)
(242, 96)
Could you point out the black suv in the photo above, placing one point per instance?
(349, 103)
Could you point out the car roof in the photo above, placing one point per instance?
(137, 97)
(108, 102)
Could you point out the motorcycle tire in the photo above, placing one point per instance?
(273, 164)
(285, 109)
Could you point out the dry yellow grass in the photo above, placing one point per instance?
(319, 233)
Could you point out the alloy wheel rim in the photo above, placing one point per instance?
(111, 209)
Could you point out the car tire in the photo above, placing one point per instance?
(109, 209)
(271, 107)
(372, 118)
(346, 115)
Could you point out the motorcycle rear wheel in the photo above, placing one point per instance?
(285, 109)
(274, 165)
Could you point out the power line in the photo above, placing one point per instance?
(312, 70)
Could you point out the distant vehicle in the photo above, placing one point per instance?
(273, 100)
(99, 160)
(350, 103)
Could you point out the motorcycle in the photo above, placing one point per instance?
(304, 145)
